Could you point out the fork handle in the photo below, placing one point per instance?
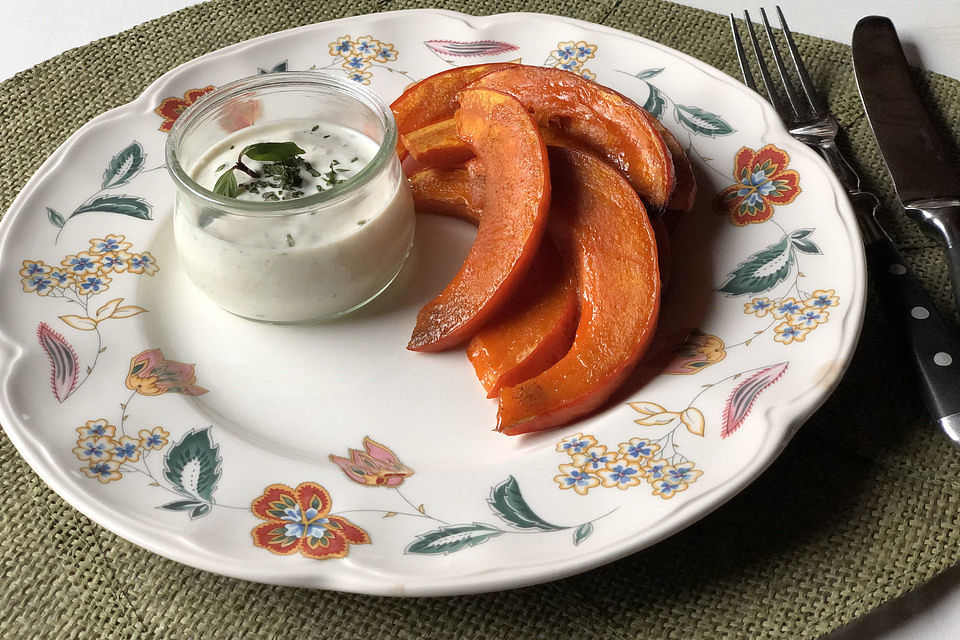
(932, 341)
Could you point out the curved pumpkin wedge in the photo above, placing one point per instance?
(437, 145)
(450, 192)
(664, 256)
(610, 124)
(533, 329)
(598, 223)
(516, 197)
(685, 192)
(435, 98)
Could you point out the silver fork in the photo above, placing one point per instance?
(908, 306)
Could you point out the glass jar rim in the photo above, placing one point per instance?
(294, 206)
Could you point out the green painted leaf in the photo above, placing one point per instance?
(452, 538)
(181, 505)
(508, 503)
(124, 205)
(762, 271)
(649, 73)
(272, 151)
(807, 246)
(280, 66)
(582, 533)
(702, 122)
(55, 218)
(124, 166)
(200, 511)
(801, 233)
(655, 103)
(193, 465)
(226, 185)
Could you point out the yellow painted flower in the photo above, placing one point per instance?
(385, 53)
(115, 261)
(61, 279)
(573, 477)
(81, 264)
(621, 474)
(155, 439)
(96, 429)
(342, 46)
(110, 244)
(786, 308)
(143, 263)
(95, 449)
(577, 443)
(153, 375)
(699, 350)
(810, 317)
(33, 267)
(593, 459)
(787, 333)
(105, 471)
(675, 479)
(758, 307)
(821, 299)
(366, 46)
(638, 449)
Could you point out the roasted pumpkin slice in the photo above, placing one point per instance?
(685, 191)
(454, 192)
(610, 124)
(516, 197)
(599, 224)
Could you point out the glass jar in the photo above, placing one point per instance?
(307, 258)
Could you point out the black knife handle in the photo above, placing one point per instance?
(933, 343)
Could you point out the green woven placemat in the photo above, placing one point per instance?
(860, 508)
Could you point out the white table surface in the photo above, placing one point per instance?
(930, 30)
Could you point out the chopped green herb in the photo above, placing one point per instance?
(222, 167)
(354, 158)
(360, 223)
(270, 196)
(315, 127)
(327, 136)
(231, 147)
(290, 242)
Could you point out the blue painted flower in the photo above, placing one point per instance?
(810, 318)
(61, 278)
(363, 77)
(366, 46)
(94, 284)
(385, 53)
(127, 450)
(787, 333)
(667, 489)
(96, 429)
(621, 474)
(116, 262)
(356, 62)
(786, 308)
(94, 449)
(39, 283)
(566, 51)
(342, 46)
(638, 449)
(82, 263)
(569, 65)
(33, 267)
(155, 439)
(577, 443)
(105, 471)
(682, 473)
(109, 244)
(585, 51)
(593, 459)
(300, 524)
(655, 470)
(758, 306)
(143, 263)
(573, 477)
(820, 299)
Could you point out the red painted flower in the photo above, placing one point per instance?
(377, 466)
(763, 181)
(171, 108)
(299, 520)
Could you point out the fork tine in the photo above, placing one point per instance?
(781, 69)
(742, 57)
(782, 107)
(817, 102)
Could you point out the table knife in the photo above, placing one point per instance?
(928, 187)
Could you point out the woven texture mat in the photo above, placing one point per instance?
(861, 507)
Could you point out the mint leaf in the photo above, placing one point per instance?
(272, 151)
(226, 185)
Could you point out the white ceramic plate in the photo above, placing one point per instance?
(231, 471)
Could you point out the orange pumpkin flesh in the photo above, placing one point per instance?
(506, 140)
(437, 145)
(610, 124)
(599, 224)
(450, 192)
(685, 191)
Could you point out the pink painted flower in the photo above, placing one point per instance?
(377, 466)
(151, 375)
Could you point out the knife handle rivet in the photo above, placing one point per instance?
(920, 313)
(897, 269)
(943, 359)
